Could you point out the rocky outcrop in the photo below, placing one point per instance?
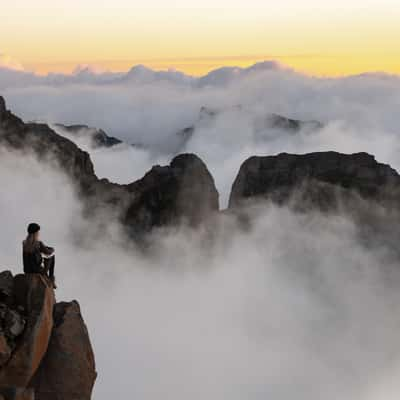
(45, 347)
(12, 323)
(97, 137)
(69, 355)
(264, 127)
(315, 180)
(170, 195)
(46, 144)
(290, 125)
(34, 299)
(183, 192)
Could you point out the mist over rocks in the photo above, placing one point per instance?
(265, 126)
(351, 186)
(358, 113)
(291, 125)
(51, 339)
(295, 306)
(46, 144)
(96, 138)
(306, 306)
(183, 192)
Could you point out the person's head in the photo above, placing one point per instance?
(34, 232)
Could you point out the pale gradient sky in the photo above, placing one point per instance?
(319, 37)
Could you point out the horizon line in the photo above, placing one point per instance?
(162, 64)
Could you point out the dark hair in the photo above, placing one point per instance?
(33, 228)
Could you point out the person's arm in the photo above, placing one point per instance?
(46, 251)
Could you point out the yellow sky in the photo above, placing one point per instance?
(319, 37)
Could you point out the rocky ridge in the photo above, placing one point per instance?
(42, 341)
(97, 137)
(184, 191)
(263, 126)
(315, 180)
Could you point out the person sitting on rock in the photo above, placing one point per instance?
(38, 258)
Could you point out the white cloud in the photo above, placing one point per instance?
(296, 308)
(148, 108)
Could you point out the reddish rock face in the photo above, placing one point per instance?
(68, 370)
(34, 294)
(45, 350)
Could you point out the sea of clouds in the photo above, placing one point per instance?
(148, 108)
(294, 308)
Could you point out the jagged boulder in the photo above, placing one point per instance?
(315, 180)
(33, 294)
(68, 370)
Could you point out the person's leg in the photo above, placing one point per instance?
(49, 265)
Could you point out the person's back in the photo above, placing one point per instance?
(32, 257)
(37, 258)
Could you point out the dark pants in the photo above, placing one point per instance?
(49, 264)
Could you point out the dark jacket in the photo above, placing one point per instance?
(33, 259)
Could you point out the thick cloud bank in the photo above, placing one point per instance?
(150, 109)
(294, 308)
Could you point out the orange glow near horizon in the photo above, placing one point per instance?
(332, 66)
(318, 38)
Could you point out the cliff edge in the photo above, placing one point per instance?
(45, 350)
